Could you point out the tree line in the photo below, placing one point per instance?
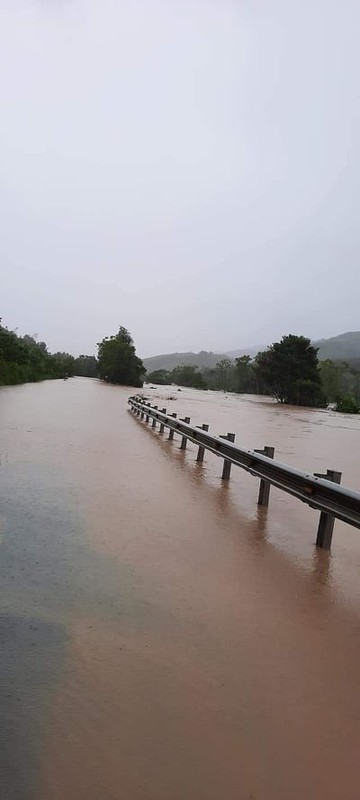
(288, 370)
(24, 359)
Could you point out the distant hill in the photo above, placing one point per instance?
(345, 347)
(170, 360)
(246, 351)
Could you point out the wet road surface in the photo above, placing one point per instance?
(161, 637)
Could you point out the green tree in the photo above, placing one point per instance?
(355, 373)
(86, 366)
(290, 371)
(244, 374)
(224, 369)
(339, 379)
(347, 405)
(211, 377)
(23, 359)
(159, 376)
(232, 376)
(187, 375)
(331, 374)
(117, 360)
(62, 365)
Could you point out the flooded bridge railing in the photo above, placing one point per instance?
(319, 491)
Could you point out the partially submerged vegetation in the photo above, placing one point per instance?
(117, 360)
(24, 359)
(288, 370)
(347, 405)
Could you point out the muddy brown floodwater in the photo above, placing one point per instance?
(162, 638)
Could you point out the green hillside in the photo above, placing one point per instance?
(345, 347)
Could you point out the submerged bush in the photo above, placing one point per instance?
(347, 404)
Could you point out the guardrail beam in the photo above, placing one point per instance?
(321, 492)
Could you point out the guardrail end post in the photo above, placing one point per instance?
(171, 432)
(227, 464)
(326, 521)
(264, 488)
(184, 439)
(201, 450)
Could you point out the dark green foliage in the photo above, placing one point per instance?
(331, 375)
(347, 405)
(232, 376)
(118, 362)
(244, 374)
(290, 371)
(240, 376)
(23, 359)
(63, 365)
(187, 376)
(339, 379)
(86, 366)
(159, 376)
(225, 374)
(223, 370)
(222, 376)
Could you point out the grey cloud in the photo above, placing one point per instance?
(188, 169)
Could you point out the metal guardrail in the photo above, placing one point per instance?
(321, 492)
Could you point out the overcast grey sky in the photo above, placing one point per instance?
(187, 168)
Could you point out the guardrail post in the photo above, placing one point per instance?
(171, 432)
(147, 415)
(154, 420)
(201, 450)
(326, 522)
(142, 413)
(264, 489)
(184, 439)
(227, 464)
(162, 426)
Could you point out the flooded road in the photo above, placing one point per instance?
(162, 638)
